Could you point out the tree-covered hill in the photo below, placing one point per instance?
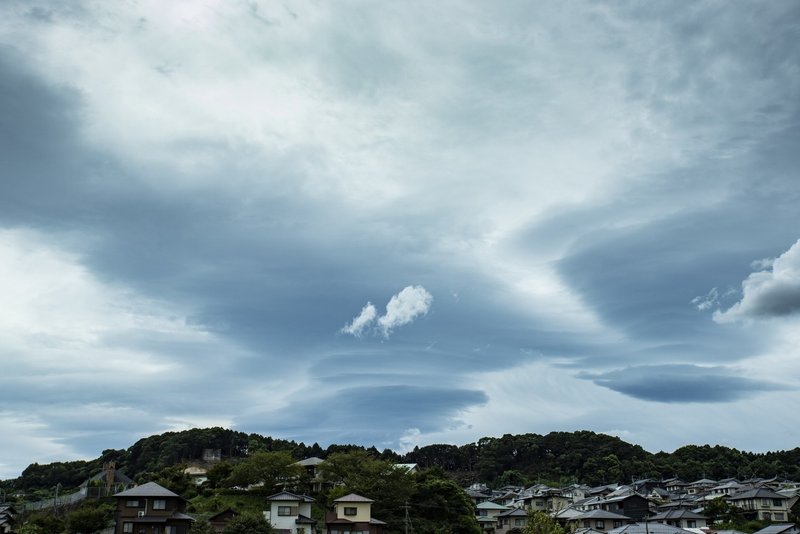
(556, 458)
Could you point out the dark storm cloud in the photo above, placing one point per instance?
(682, 383)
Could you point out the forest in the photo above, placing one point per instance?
(557, 458)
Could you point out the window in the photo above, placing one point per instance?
(587, 523)
(159, 504)
(132, 503)
(284, 510)
(777, 502)
(350, 510)
(691, 523)
(127, 527)
(600, 524)
(170, 530)
(767, 516)
(778, 516)
(617, 523)
(519, 522)
(765, 502)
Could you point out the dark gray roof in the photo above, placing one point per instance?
(648, 528)
(778, 528)
(287, 496)
(119, 478)
(758, 493)
(151, 489)
(680, 513)
(601, 514)
(513, 512)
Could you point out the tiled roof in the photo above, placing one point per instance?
(759, 493)
(287, 496)
(601, 514)
(310, 461)
(647, 528)
(151, 489)
(777, 528)
(353, 498)
(489, 505)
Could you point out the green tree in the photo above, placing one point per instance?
(273, 469)
(48, 523)
(357, 471)
(440, 505)
(248, 524)
(202, 527)
(541, 523)
(89, 520)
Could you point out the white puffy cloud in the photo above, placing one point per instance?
(402, 309)
(362, 321)
(772, 292)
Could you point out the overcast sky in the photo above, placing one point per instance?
(398, 223)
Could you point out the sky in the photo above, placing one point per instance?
(398, 223)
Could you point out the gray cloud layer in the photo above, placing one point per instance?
(199, 210)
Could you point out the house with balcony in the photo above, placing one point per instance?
(353, 514)
(762, 503)
(151, 509)
(290, 513)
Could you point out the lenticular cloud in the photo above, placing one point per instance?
(402, 309)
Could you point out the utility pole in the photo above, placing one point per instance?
(407, 520)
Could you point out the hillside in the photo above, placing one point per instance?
(557, 457)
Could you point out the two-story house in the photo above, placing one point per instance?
(762, 503)
(290, 513)
(151, 509)
(681, 518)
(353, 513)
(599, 520)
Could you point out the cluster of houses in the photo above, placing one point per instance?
(643, 507)
(153, 509)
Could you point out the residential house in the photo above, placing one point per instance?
(198, 473)
(648, 528)
(780, 528)
(478, 493)
(353, 514)
(761, 503)
(8, 516)
(700, 486)
(106, 482)
(680, 518)
(675, 485)
(563, 517)
(487, 513)
(311, 465)
(151, 509)
(408, 468)
(212, 455)
(220, 520)
(290, 514)
(550, 500)
(600, 520)
(633, 505)
(513, 519)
